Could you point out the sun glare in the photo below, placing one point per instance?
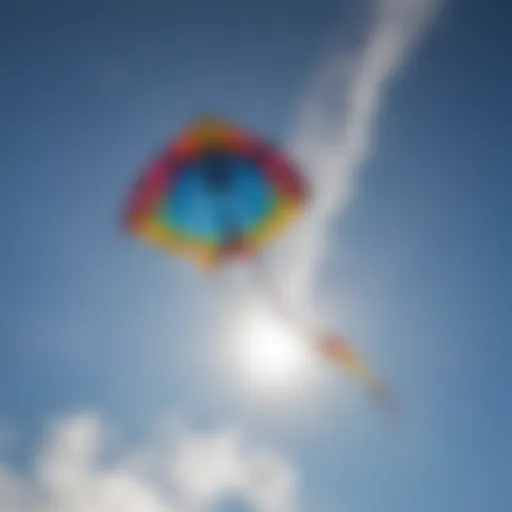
(268, 353)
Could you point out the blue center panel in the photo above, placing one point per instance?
(196, 208)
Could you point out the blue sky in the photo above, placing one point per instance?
(415, 266)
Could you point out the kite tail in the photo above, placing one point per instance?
(339, 351)
(334, 348)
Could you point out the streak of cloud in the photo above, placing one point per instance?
(335, 132)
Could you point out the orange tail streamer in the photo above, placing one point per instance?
(332, 347)
(339, 351)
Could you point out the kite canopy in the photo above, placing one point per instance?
(216, 192)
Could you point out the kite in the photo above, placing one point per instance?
(218, 194)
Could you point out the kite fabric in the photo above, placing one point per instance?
(217, 194)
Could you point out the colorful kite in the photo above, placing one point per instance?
(217, 194)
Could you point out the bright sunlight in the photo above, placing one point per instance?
(267, 353)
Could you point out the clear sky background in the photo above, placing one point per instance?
(102, 336)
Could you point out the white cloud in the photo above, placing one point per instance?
(78, 469)
(14, 493)
(206, 467)
(334, 135)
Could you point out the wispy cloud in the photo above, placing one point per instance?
(335, 132)
(81, 467)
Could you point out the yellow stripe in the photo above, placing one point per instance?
(354, 365)
(206, 132)
(210, 131)
(157, 234)
(286, 211)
